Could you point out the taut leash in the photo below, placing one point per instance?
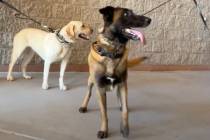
(201, 14)
(162, 4)
(24, 16)
(196, 4)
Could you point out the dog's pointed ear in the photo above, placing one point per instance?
(71, 30)
(107, 13)
(106, 10)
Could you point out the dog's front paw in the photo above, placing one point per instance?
(124, 130)
(102, 134)
(27, 77)
(10, 78)
(45, 86)
(83, 109)
(63, 87)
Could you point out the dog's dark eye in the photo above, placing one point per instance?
(125, 14)
(83, 26)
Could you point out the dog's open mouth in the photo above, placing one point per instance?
(134, 34)
(84, 36)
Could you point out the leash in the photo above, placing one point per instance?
(196, 4)
(201, 14)
(162, 4)
(24, 16)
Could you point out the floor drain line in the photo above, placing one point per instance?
(20, 134)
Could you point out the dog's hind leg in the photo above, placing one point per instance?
(83, 108)
(27, 58)
(17, 51)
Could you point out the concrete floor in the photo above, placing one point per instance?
(163, 106)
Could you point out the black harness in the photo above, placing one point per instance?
(113, 55)
(103, 51)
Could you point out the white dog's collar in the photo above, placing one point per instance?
(60, 38)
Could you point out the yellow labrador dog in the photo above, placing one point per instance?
(51, 47)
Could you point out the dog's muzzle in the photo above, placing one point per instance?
(84, 36)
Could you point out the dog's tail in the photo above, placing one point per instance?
(136, 61)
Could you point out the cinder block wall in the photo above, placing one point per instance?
(176, 35)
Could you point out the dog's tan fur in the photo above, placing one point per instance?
(108, 63)
(105, 65)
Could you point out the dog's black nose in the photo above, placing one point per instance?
(91, 31)
(148, 20)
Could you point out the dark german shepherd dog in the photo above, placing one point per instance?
(108, 62)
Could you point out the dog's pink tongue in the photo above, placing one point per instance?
(140, 35)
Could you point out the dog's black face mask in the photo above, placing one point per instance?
(119, 20)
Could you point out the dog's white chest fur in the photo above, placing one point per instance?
(63, 52)
(56, 51)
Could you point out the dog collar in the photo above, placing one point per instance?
(99, 55)
(60, 38)
(104, 53)
(95, 55)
